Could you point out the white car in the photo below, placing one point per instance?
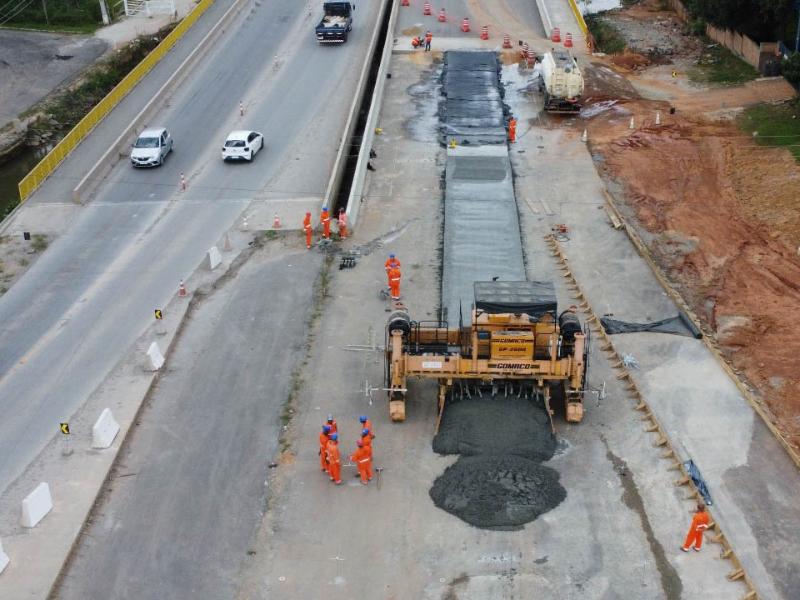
(242, 145)
(151, 148)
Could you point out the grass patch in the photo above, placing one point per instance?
(721, 66)
(86, 28)
(777, 125)
(607, 38)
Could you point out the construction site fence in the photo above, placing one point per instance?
(77, 134)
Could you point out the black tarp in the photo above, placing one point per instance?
(534, 298)
(673, 325)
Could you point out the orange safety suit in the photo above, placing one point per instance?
(428, 38)
(512, 130)
(363, 459)
(325, 219)
(389, 265)
(332, 424)
(394, 283)
(342, 224)
(308, 229)
(367, 439)
(415, 42)
(334, 462)
(323, 451)
(696, 530)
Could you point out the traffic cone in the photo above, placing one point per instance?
(658, 117)
(465, 25)
(426, 9)
(556, 36)
(525, 51)
(183, 183)
(506, 41)
(442, 16)
(405, 3)
(181, 289)
(276, 222)
(568, 41)
(485, 32)
(585, 136)
(632, 124)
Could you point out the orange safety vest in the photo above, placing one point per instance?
(391, 263)
(428, 37)
(307, 222)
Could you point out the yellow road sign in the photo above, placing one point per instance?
(159, 314)
(65, 428)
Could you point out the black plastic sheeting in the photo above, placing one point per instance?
(534, 298)
(698, 481)
(673, 325)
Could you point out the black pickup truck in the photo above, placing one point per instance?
(336, 23)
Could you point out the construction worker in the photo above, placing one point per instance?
(366, 425)
(367, 436)
(331, 422)
(325, 219)
(394, 283)
(512, 130)
(699, 524)
(342, 224)
(416, 42)
(363, 459)
(308, 229)
(428, 38)
(334, 462)
(391, 262)
(323, 448)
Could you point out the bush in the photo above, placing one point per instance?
(61, 12)
(790, 69)
(606, 37)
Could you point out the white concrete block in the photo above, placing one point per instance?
(155, 356)
(104, 430)
(4, 560)
(213, 258)
(36, 505)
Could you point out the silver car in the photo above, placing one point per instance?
(151, 147)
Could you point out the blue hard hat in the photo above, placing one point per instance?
(391, 256)
(363, 418)
(326, 428)
(324, 208)
(365, 432)
(334, 436)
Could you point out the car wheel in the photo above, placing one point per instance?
(250, 158)
(160, 160)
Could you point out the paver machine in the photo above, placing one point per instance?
(516, 342)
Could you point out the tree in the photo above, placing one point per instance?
(791, 69)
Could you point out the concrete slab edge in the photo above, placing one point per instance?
(546, 20)
(649, 419)
(344, 142)
(110, 158)
(178, 310)
(708, 338)
(360, 173)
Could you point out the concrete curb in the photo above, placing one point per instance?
(344, 144)
(546, 20)
(360, 174)
(110, 158)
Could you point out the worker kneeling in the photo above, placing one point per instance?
(363, 460)
(416, 42)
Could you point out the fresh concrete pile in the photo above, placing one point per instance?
(498, 482)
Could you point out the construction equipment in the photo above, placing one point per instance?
(515, 341)
(562, 82)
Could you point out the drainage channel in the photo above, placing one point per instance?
(349, 169)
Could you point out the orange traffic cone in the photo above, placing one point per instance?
(442, 16)
(276, 222)
(485, 32)
(506, 41)
(465, 25)
(181, 289)
(426, 9)
(568, 41)
(405, 3)
(556, 37)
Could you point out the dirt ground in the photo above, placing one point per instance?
(720, 213)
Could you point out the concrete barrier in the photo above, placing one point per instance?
(360, 172)
(213, 258)
(344, 144)
(104, 430)
(4, 560)
(36, 505)
(547, 22)
(155, 356)
(110, 158)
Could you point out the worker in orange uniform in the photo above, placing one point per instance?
(367, 436)
(323, 448)
(416, 42)
(331, 422)
(363, 459)
(394, 283)
(391, 262)
(366, 425)
(325, 219)
(428, 38)
(334, 461)
(512, 130)
(308, 229)
(342, 223)
(696, 530)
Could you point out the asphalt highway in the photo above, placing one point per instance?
(71, 318)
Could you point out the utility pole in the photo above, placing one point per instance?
(47, 20)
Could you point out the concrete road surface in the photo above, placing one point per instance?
(190, 487)
(69, 319)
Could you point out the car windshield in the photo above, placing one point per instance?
(234, 144)
(148, 142)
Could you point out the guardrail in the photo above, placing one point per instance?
(578, 17)
(77, 134)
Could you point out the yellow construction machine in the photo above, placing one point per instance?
(516, 341)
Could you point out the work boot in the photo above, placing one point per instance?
(684, 549)
(695, 548)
